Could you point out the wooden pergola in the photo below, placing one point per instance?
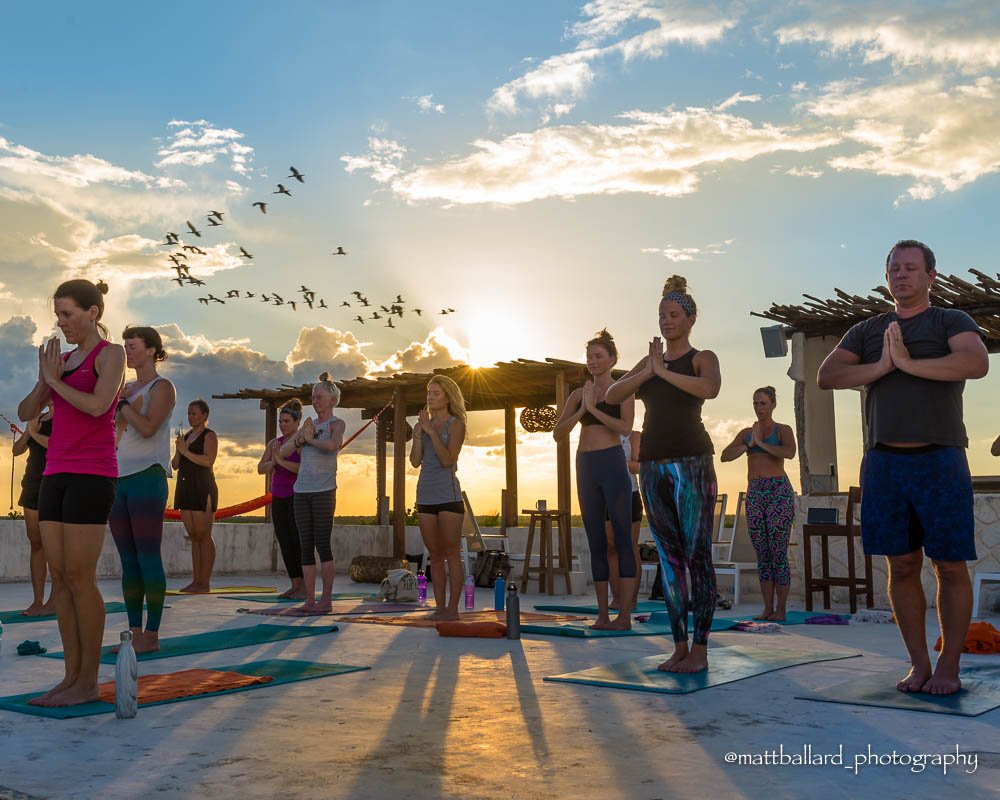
(505, 386)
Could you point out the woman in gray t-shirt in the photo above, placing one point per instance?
(437, 440)
(317, 443)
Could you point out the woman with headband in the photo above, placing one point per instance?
(283, 472)
(676, 473)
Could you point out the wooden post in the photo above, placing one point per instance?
(398, 474)
(509, 511)
(380, 464)
(563, 486)
(270, 431)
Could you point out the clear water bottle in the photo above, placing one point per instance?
(513, 611)
(421, 587)
(126, 679)
(499, 592)
(470, 593)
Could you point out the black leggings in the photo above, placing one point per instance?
(603, 486)
(287, 534)
(314, 519)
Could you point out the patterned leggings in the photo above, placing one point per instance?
(680, 503)
(770, 505)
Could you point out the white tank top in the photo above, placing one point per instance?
(627, 447)
(137, 452)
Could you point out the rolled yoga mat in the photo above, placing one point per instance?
(725, 665)
(218, 640)
(278, 670)
(980, 693)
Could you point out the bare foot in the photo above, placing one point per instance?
(188, 588)
(447, 615)
(197, 588)
(41, 700)
(777, 616)
(38, 610)
(623, 622)
(290, 592)
(149, 642)
(914, 680)
(75, 695)
(679, 654)
(947, 682)
(695, 662)
(602, 623)
(765, 614)
(322, 607)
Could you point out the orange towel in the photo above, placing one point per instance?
(478, 630)
(982, 638)
(185, 683)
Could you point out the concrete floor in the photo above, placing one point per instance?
(472, 719)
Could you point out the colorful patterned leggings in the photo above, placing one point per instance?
(136, 524)
(680, 503)
(770, 505)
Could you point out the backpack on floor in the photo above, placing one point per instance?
(399, 586)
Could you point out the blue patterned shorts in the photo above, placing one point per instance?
(920, 499)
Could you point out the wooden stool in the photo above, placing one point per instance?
(546, 569)
(854, 583)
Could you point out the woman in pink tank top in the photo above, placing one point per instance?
(78, 484)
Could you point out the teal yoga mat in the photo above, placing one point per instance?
(13, 617)
(280, 670)
(726, 665)
(980, 693)
(645, 607)
(264, 598)
(580, 629)
(219, 640)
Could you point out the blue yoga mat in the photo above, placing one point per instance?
(644, 607)
(14, 617)
(980, 693)
(726, 665)
(218, 640)
(279, 670)
(580, 629)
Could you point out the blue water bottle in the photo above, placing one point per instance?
(499, 592)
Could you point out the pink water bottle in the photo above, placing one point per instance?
(470, 593)
(421, 587)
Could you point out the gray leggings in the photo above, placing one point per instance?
(314, 519)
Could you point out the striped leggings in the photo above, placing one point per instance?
(680, 502)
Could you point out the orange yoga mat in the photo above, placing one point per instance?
(475, 630)
(185, 683)
(421, 620)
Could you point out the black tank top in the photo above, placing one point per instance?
(35, 465)
(611, 409)
(672, 426)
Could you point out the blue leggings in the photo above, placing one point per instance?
(680, 503)
(136, 524)
(604, 490)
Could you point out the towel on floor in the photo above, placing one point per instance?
(756, 627)
(827, 619)
(478, 630)
(877, 615)
(982, 639)
(185, 683)
(30, 647)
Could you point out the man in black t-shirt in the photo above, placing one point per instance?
(914, 362)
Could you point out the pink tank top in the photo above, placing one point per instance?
(80, 443)
(283, 481)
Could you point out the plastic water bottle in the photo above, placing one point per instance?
(470, 593)
(421, 587)
(499, 592)
(513, 611)
(126, 679)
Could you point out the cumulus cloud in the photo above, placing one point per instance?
(676, 254)
(625, 29)
(198, 143)
(426, 104)
(383, 160)
(659, 153)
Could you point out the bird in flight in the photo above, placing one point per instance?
(248, 295)
(203, 300)
(264, 298)
(173, 257)
(193, 229)
(216, 299)
(179, 280)
(277, 300)
(282, 190)
(399, 298)
(278, 297)
(172, 239)
(216, 214)
(213, 222)
(340, 251)
(308, 301)
(389, 323)
(386, 310)
(345, 303)
(364, 302)
(375, 315)
(261, 206)
(297, 175)
(418, 311)
(359, 319)
(305, 290)
(244, 253)
(196, 281)
(292, 304)
(357, 295)
(193, 249)
(232, 293)
(322, 303)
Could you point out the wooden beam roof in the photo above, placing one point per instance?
(833, 317)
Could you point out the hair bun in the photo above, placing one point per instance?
(675, 283)
(102, 287)
(603, 334)
(294, 403)
(324, 377)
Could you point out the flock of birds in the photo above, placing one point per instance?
(305, 297)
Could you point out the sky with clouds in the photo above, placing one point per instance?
(538, 167)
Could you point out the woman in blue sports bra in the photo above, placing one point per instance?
(770, 499)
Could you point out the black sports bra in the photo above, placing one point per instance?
(611, 409)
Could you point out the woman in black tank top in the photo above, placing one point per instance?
(602, 478)
(676, 473)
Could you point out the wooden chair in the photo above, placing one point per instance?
(547, 557)
(740, 557)
(473, 539)
(850, 531)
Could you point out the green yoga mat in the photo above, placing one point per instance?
(280, 670)
(224, 590)
(264, 598)
(218, 640)
(726, 665)
(980, 693)
(14, 617)
(581, 630)
(644, 607)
